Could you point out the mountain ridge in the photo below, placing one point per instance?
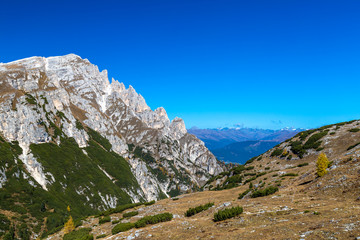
(62, 112)
(227, 144)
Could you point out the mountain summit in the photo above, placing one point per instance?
(67, 130)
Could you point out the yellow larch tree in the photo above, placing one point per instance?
(322, 164)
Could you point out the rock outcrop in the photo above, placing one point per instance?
(45, 100)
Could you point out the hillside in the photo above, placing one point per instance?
(70, 137)
(281, 196)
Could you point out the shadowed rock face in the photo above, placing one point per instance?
(39, 95)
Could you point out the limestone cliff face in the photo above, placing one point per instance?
(39, 96)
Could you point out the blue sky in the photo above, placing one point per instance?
(266, 64)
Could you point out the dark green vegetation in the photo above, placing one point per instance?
(354, 130)
(104, 219)
(73, 171)
(149, 203)
(237, 174)
(353, 146)
(121, 208)
(264, 192)
(4, 224)
(101, 236)
(290, 175)
(242, 195)
(227, 213)
(302, 164)
(314, 141)
(122, 227)
(192, 211)
(130, 214)
(81, 234)
(276, 152)
(162, 217)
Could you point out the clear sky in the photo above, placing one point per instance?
(266, 64)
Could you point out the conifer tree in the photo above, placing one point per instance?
(322, 164)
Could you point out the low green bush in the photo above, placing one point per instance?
(290, 175)
(277, 152)
(149, 203)
(314, 141)
(101, 236)
(302, 164)
(104, 219)
(354, 130)
(241, 195)
(351, 147)
(227, 213)
(264, 192)
(122, 227)
(249, 174)
(130, 214)
(250, 179)
(81, 234)
(4, 224)
(162, 217)
(115, 221)
(192, 211)
(120, 209)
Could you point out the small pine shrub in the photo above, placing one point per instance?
(242, 195)
(290, 175)
(227, 213)
(250, 179)
(81, 234)
(104, 220)
(264, 192)
(130, 214)
(149, 203)
(354, 130)
(115, 221)
(192, 211)
(101, 236)
(277, 152)
(351, 147)
(302, 164)
(163, 217)
(122, 227)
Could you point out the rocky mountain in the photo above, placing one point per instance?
(280, 194)
(237, 145)
(70, 137)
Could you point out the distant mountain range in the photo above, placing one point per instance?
(237, 145)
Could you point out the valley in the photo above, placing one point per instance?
(84, 159)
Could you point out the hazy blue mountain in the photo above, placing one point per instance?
(237, 145)
(240, 152)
